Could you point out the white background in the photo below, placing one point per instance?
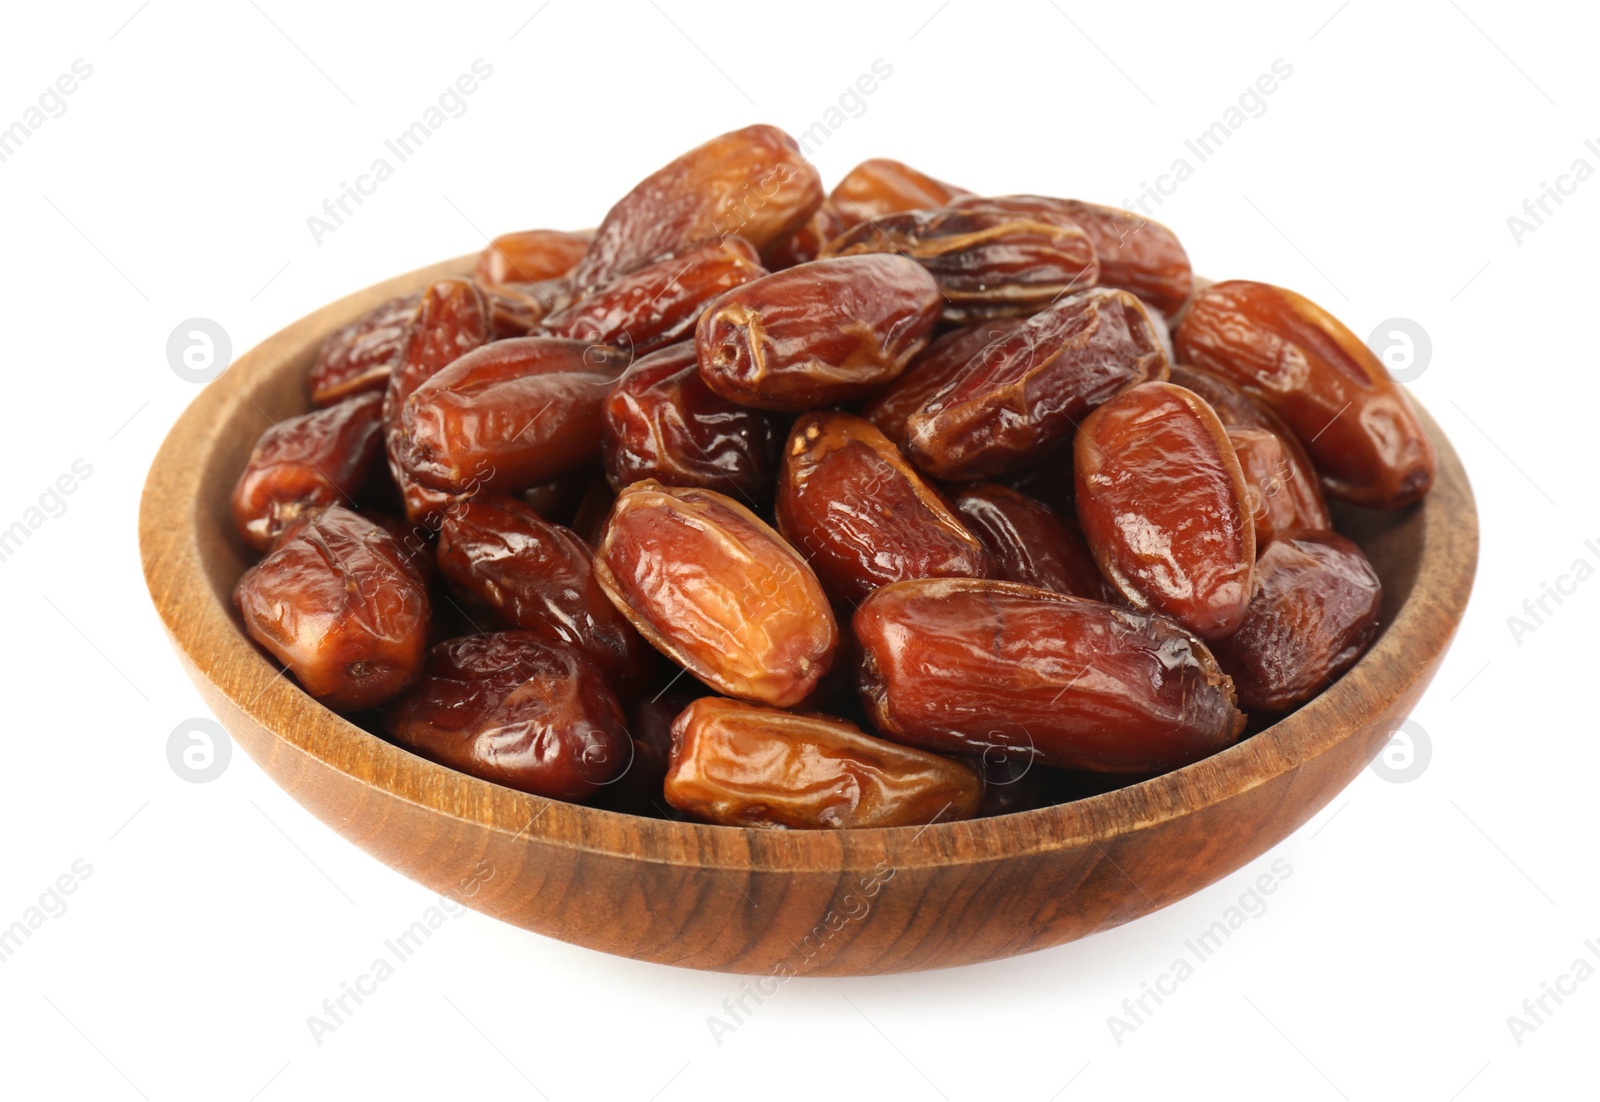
(218, 916)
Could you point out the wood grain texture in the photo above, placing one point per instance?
(750, 901)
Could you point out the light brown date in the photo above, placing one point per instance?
(1028, 543)
(718, 592)
(1315, 611)
(509, 415)
(540, 577)
(1024, 396)
(530, 256)
(987, 262)
(663, 422)
(658, 304)
(516, 709)
(817, 334)
(957, 665)
(753, 182)
(337, 602)
(745, 765)
(881, 186)
(861, 515)
(318, 458)
(1164, 507)
(1287, 352)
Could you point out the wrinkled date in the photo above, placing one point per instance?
(1163, 504)
(663, 422)
(509, 415)
(965, 666)
(819, 333)
(319, 458)
(357, 358)
(530, 256)
(753, 182)
(1282, 482)
(1295, 357)
(1135, 254)
(658, 304)
(540, 576)
(515, 709)
(861, 515)
(986, 262)
(718, 592)
(1315, 611)
(941, 363)
(1024, 396)
(803, 245)
(881, 186)
(338, 603)
(1028, 543)
(745, 765)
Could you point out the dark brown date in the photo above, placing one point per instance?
(663, 422)
(658, 304)
(1135, 254)
(539, 576)
(861, 515)
(357, 358)
(1283, 484)
(745, 765)
(987, 263)
(337, 602)
(1287, 352)
(817, 334)
(1029, 543)
(530, 256)
(978, 667)
(1315, 611)
(940, 364)
(318, 458)
(516, 709)
(753, 182)
(1164, 507)
(718, 592)
(880, 186)
(1024, 396)
(638, 791)
(509, 415)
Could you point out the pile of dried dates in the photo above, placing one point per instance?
(771, 507)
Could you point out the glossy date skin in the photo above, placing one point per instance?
(452, 319)
(745, 765)
(862, 516)
(719, 592)
(882, 186)
(339, 604)
(1029, 543)
(987, 262)
(663, 422)
(1288, 353)
(539, 577)
(516, 709)
(1135, 254)
(509, 415)
(1315, 612)
(980, 667)
(753, 182)
(658, 304)
(803, 245)
(1163, 504)
(1284, 486)
(318, 458)
(1025, 395)
(939, 365)
(817, 334)
(530, 256)
(357, 358)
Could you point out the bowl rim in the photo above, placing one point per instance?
(205, 631)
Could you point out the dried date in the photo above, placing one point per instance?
(1028, 543)
(530, 256)
(881, 186)
(940, 364)
(357, 358)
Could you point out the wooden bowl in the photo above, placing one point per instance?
(752, 901)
